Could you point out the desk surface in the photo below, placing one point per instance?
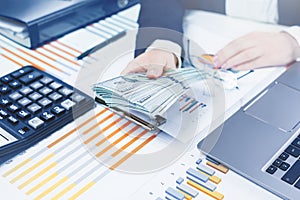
(53, 171)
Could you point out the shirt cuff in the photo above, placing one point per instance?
(168, 46)
(294, 31)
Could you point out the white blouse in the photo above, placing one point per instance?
(258, 10)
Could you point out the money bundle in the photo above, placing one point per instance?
(149, 96)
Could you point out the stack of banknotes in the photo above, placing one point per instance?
(149, 96)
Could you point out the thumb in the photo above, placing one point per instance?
(155, 71)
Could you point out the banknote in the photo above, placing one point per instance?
(155, 96)
(150, 96)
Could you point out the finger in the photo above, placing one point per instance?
(242, 57)
(133, 67)
(155, 71)
(256, 63)
(231, 50)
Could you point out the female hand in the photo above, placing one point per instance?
(258, 49)
(153, 62)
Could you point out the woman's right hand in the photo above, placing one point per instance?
(154, 62)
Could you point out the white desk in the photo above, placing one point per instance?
(212, 32)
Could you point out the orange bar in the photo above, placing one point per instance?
(129, 143)
(219, 167)
(117, 141)
(213, 179)
(113, 133)
(103, 130)
(103, 120)
(78, 127)
(72, 61)
(21, 65)
(216, 195)
(132, 152)
(188, 103)
(36, 51)
(63, 44)
(60, 49)
(40, 60)
(36, 66)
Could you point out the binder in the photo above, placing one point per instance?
(33, 23)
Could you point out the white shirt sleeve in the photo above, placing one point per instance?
(295, 32)
(258, 10)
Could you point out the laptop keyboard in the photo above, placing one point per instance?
(33, 105)
(289, 162)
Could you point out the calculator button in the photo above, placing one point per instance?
(55, 96)
(296, 142)
(297, 185)
(15, 85)
(77, 98)
(4, 90)
(35, 122)
(44, 102)
(4, 102)
(284, 166)
(24, 102)
(35, 96)
(29, 78)
(23, 114)
(26, 90)
(6, 79)
(65, 91)
(294, 151)
(46, 80)
(45, 90)
(13, 108)
(277, 162)
(21, 72)
(55, 85)
(15, 96)
(46, 116)
(67, 104)
(23, 130)
(57, 110)
(272, 169)
(292, 174)
(3, 114)
(284, 156)
(12, 120)
(34, 108)
(36, 85)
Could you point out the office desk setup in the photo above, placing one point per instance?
(63, 167)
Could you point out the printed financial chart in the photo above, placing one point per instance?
(61, 167)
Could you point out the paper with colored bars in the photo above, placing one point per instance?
(60, 167)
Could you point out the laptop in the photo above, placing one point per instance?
(261, 141)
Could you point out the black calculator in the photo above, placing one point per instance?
(33, 105)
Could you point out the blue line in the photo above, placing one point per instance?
(245, 74)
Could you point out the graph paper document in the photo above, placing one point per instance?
(61, 167)
(97, 155)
